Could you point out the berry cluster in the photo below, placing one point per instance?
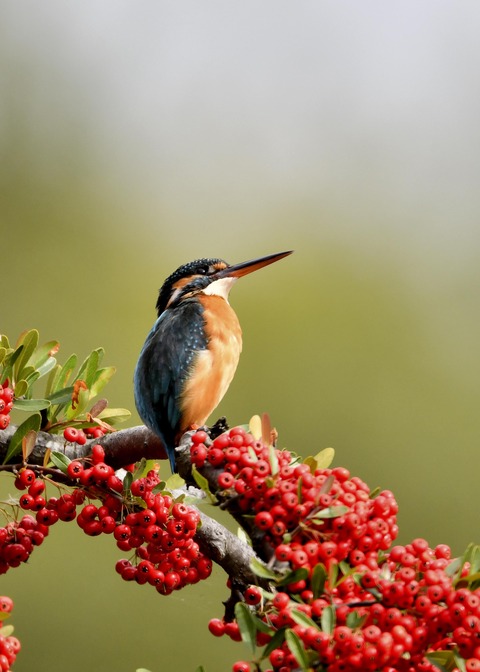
(156, 529)
(80, 436)
(9, 645)
(18, 539)
(6, 404)
(354, 602)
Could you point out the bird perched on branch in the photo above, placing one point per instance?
(191, 354)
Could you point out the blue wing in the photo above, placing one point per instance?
(164, 365)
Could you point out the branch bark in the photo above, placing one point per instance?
(130, 445)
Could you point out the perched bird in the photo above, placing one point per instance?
(190, 355)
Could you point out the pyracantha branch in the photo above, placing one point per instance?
(131, 445)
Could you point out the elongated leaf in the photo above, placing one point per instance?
(295, 645)
(275, 643)
(261, 626)
(28, 444)
(80, 405)
(262, 570)
(30, 405)
(292, 577)
(255, 427)
(3, 354)
(31, 423)
(302, 619)
(101, 378)
(246, 624)
(114, 415)
(273, 460)
(52, 379)
(175, 482)
(4, 341)
(30, 379)
(202, 483)
(331, 512)
(89, 367)
(21, 388)
(46, 366)
(441, 659)
(60, 460)
(29, 342)
(9, 363)
(65, 373)
(266, 429)
(355, 620)
(61, 396)
(319, 576)
(328, 619)
(44, 352)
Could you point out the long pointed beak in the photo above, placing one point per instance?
(239, 270)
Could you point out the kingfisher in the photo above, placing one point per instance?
(191, 353)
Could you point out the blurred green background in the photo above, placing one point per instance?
(136, 136)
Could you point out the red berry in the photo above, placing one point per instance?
(253, 595)
(216, 627)
(70, 434)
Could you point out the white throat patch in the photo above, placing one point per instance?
(220, 287)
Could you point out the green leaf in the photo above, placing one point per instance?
(89, 367)
(355, 620)
(262, 570)
(302, 619)
(175, 482)
(202, 483)
(21, 388)
(10, 362)
(114, 415)
(52, 380)
(275, 643)
(61, 396)
(44, 352)
(143, 669)
(459, 662)
(292, 577)
(80, 406)
(101, 378)
(331, 512)
(29, 340)
(328, 619)
(65, 373)
(7, 630)
(273, 459)
(319, 576)
(4, 341)
(46, 366)
(3, 354)
(246, 624)
(295, 645)
(127, 482)
(325, 458)
(261, 626)
(200, 668)
(441, 659)
(30, 405)
(60, 460)
(332, 575)
(32, 422)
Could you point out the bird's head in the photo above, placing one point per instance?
(210, 276)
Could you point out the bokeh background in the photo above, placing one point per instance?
(136, 136)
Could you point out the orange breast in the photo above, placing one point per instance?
(213, 368)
